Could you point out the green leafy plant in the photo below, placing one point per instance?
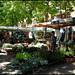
(27, 54)
(59, 55)
(31, 63)
(38, 34)
(20, 57)
(24, 68)
(68, 53)
(42, 61)
(17, 48)
(14, 62)
(31, 49)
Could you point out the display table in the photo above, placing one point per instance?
(42, 40)
(8, 48)
(22, 43)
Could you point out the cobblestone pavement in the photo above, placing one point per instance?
(5, 65)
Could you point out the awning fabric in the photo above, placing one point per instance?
(57, 24)
(12, 28)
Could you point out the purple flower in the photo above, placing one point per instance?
(26, 45)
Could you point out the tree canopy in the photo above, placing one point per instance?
(12, 12)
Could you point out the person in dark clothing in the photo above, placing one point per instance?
(62, 36)
(1, 37)
(33, 36)
(73, 38)
(53, 40)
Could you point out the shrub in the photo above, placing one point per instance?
(68, 53)
(31, 63)
(50, 55)
(14, 62)
(38, 34)
(57, 55)
(43, 54)
(17, 48)
(24, 68)
(27, 54)
(20, 57)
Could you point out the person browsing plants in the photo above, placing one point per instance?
(53, 40)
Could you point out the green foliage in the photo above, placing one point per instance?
(68, 53)
(72, 46)
(24, 68)
(31, 49)
(62, 50)
(20, 10)
(56, 55)
(31, 63)
(14, 62)
(6, 46)
(20, 57)
(38, 34)
(43, 54)
(71, 52)
(17, 48)
(27, 54)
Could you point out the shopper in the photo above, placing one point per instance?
(30, 37)
(33, 36)
(1, 38)
(53, 41)
(8, 38)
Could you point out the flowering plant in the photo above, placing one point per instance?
(39, 45)
(17, 48)
(25, 45)
(5, 45)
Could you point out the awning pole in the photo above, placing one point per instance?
(45, 33)
(66, 27)
(58, 38)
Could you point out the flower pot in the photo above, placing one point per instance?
(70, 60)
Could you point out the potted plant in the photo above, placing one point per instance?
(14, 62)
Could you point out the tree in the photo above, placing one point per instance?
(65, 5)
(1, 6)
(13, 12)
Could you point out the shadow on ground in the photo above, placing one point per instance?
(62, 68)
(5, 65)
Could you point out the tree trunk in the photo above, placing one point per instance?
(46, 18)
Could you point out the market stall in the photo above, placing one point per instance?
(15, 34)
(60, 23)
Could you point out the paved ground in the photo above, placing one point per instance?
(62, 68)
(5, 66)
